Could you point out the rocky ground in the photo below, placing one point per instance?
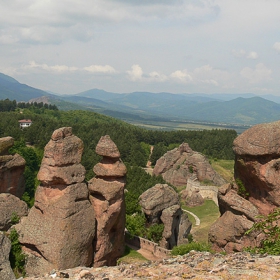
(195, 265)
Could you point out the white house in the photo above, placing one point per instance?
(24, 123)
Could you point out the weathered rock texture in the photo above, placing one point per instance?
(257, 169)
(107, 198)
(11, 169)
(59, 230)
(237, 216)
(257, 164)
(161, 204)
(11, 207)
(6, 272)
(179, 164)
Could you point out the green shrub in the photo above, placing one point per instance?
(15, 218)
(155, 232)
(17, 258)
(268, 225)
(241, 188)
(186, 248)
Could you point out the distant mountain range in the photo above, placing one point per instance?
(244, 109)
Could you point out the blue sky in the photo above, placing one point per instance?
(177, 46)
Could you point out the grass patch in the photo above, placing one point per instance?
(131, 256)
(208, 213)
(225, 168)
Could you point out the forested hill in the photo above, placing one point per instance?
(133, 142)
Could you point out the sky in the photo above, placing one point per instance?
(176, 46)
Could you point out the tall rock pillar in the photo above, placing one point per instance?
(107, 197)
(59, 229)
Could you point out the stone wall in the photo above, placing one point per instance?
(147, 245)
(207, 192)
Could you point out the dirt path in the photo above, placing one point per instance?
(197, 220)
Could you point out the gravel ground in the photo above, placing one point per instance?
(195, 265)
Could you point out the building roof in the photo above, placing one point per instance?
(25, 121)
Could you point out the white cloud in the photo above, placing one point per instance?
(244, 54)
(259, 74)
(155, 76)
(54, 68)
(135, 73)
(182, 76)
(238, 54)
(100, 69)
(252, 55)
(276, 47)
(64, 68)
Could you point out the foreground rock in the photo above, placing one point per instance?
(6, 272)
(161, 205)
(11, 169)
(195, 265)
(107, 198)
(11, 207)
(59, 229)
(256, 191)
(179, 164)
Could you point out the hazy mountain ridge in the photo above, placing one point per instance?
(246, 109)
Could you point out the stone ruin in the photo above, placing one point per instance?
(256, 191)
(68, 226)
(161, 204)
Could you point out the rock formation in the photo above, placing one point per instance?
(256, 171)
(59, 229)
(10, 206)
(107, 198)
(11, 169)
(179, 164)
(161, 204)
(6, 272)
(257, 164)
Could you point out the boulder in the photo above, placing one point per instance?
(59, 229)
(107, 148)
(256, 189)
(5, 144)
(154, 200)
(161, 205)
(176, 227)
(195, 199)
(107, 198)
(11, 206)
(228, 233)
(11, 170)
(6, 272)
(257, 165)
(180, 164)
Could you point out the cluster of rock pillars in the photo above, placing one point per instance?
(77, 223)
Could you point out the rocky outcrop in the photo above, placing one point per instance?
(11, 169)
(257, 164)
(107, 198)
(179, 164)
(59, 229)
(237, 216)
(161, 204)
(257, 191)
(11, 207)
(6, 272)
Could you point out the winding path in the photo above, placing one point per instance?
(197, 220)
